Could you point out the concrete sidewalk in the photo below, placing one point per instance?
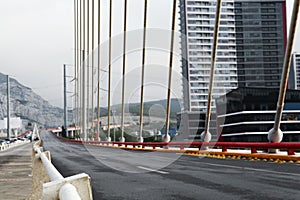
(15, 172)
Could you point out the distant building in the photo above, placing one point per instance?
(261, 37)
(251, 48)
(250, 113)
(294, 77)
(197, 20)
(15, 124)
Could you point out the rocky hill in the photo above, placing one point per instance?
(134, 108)
(28, 105)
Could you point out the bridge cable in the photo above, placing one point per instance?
(206, 136)
(109, 72)
(79, 60)
(83, 109)
(80, 64)
(93, 62)
(275, 134)
(143, 73)
(167, 136)
(88, 68)
(98, 78)
(124, 71)
(75, 54)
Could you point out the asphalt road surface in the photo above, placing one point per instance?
(121, 174)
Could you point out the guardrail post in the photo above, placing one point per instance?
(253, 150)
(80, 183)
(291, 152)
(39, 176)
(224, 149)
(68, 191)
(2, 147)
(75, 187)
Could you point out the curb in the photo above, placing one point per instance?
(206, 153)
(220, 155)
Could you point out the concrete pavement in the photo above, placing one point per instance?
(15, 172)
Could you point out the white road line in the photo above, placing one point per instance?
(152, 170)
(251, 169)
(101, 158)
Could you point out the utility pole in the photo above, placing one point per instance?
(65, 102)
(8, 108)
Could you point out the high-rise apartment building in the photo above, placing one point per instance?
(251, 47)
(197, 20)
(252, 41)
(294, 77)
(260, 42)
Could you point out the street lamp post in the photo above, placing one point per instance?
(8, 107)
(114, 134)
(65, 102)
(114, 123)
(83, 110)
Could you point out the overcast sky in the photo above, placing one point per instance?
(37, 38)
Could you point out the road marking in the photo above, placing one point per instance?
(101, 158)
(251, 169)
(152, 170)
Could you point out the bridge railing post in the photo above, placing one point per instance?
(48, 183)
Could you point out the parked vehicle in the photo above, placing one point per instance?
(2, 142)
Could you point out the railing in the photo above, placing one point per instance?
(289, 147)
(24, 133)
(55, 186)
(4, 147)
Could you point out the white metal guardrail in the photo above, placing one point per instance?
(4, 147)
(54, 185)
